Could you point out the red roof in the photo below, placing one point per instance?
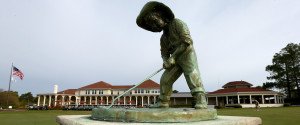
(149, 84)
(237, 83)
(68, 91)
(122, 87)
(232, 90)
(100, 84)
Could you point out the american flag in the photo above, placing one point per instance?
(17, 72)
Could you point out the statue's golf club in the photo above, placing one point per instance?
(134, 87)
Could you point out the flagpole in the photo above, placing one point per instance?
(8, 92)
(12, 64)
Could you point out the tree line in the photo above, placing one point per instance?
(13, 99)
(285, 72)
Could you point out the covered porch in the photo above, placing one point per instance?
(245, 99)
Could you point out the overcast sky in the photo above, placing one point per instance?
(73, 43)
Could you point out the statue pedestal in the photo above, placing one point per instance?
(153, 115)
(221, 120)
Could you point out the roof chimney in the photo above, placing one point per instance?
(55, 89)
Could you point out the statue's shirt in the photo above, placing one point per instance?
(175, 34)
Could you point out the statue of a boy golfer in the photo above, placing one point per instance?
(177, 52)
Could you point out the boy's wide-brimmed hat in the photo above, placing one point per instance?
(151, 7)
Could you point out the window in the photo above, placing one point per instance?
(100, 91)
(87, 92)
(93, 91)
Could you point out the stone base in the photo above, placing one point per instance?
(221, 120)
(153, 115)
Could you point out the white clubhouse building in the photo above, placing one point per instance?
(102, 93)
(241, 93)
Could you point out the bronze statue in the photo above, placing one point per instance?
(177, 52)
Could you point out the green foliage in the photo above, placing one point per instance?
(219, 107)
(287, 104)
(285, 70)
(9, 99)
(175, 91)
(235, 106)
(182, 106)
(26, 99)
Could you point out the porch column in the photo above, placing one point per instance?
(216, 100)
(124, 100)
(76, 100)
(96, 100)
(44, 100)
(136, 101)
(174, 102)
(250, 97)
(79, 100)
(275, 99)
(148, 100)
(106, 100)
(262, 99)
(186, 100)
(101, 102)
(90, 100)
(63, 100)
(70, 99)
(129, 100)
(154, 97)
(238, 96)
(226, 99)
(142, 101)
(39, 99)
(50, 100)
(55, 100)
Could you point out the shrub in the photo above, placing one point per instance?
(286, 104)
(219, 107)
(238, 106)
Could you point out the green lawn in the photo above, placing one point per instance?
(270, 116)
(34, 117)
